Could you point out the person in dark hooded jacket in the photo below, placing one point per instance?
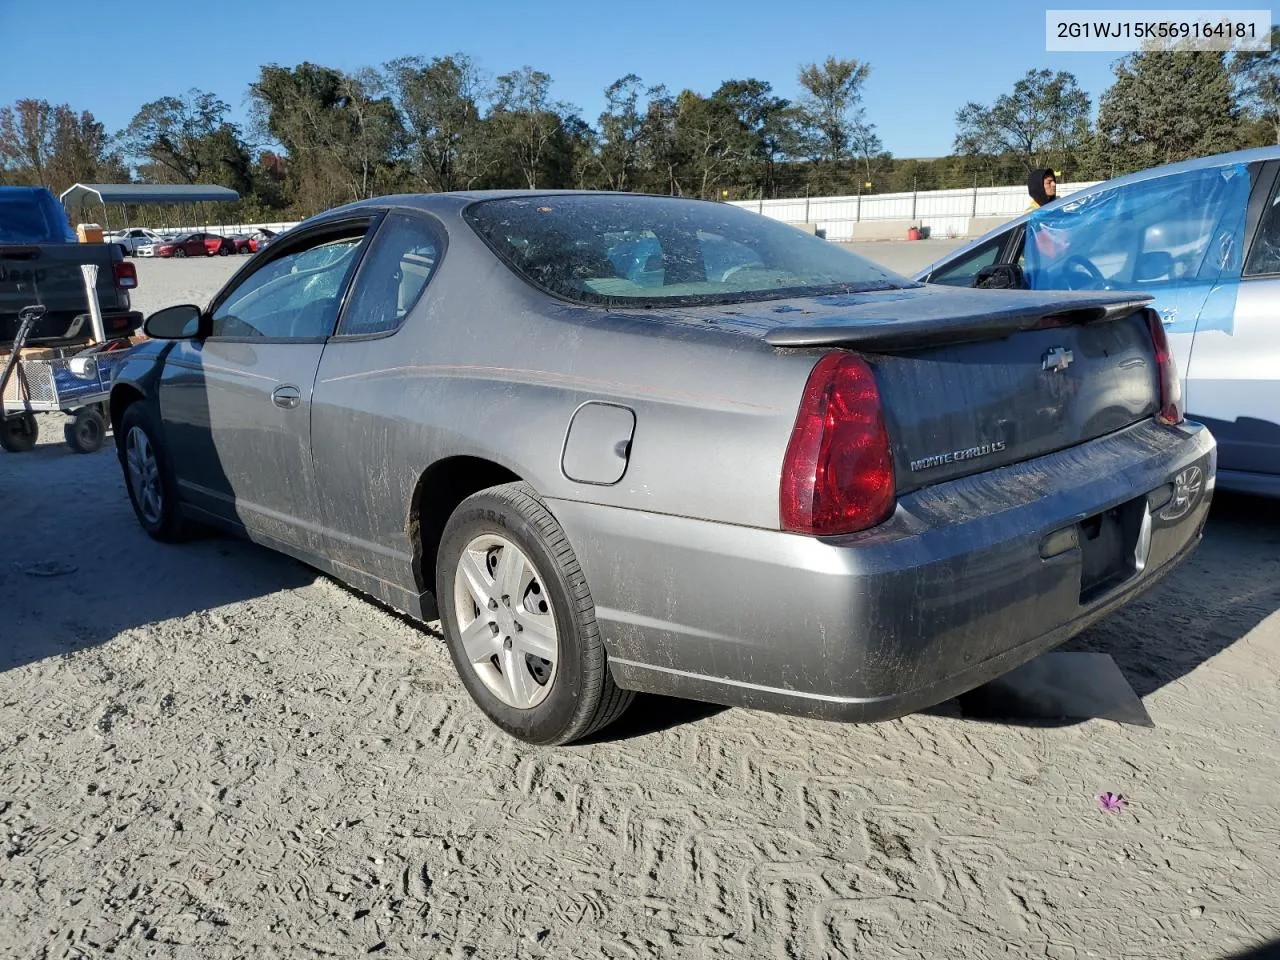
(1043, 186)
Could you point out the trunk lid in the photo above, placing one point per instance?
(974, 380)
(957, 409)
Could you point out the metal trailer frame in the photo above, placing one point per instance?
(75, 381)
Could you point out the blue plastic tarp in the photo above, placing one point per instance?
(1178, 238)
(33, 215)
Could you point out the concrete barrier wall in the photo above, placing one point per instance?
(980, 225)
(880, 229)
(947, 213)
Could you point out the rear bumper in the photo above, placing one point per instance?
(949, 593)
(61, 328)
(122, 323)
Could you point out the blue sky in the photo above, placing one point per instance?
(927, 59)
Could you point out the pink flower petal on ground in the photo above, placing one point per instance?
(1112, 802)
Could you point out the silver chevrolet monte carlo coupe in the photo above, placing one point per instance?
(627, 443)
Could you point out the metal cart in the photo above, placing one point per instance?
(75, 380)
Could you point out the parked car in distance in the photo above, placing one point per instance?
(1202, 238)
(749, 467)
(190, 245)
(240, 242)
(217, 245)
(133, 238)
(260, 238)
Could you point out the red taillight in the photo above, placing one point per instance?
(1170, 384)
(126, 275)
(838, 473)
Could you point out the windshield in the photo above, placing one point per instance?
(33, 216)
(612, 249)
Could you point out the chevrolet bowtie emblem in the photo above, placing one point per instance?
(1057, 360)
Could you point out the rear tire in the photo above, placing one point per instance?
(152, 486)
(18, 434)
(572, 693)
(87, 432)
(223, 251)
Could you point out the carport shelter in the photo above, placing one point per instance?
(83, 195)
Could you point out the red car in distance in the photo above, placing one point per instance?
(193, 245)
(260, 238)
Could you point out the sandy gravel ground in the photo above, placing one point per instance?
(210, 751)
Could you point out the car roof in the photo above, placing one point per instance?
(1255, 155)
(453, 201)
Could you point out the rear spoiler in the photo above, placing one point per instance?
(961, 326)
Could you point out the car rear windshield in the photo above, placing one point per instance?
(617, 250)
(32, 216)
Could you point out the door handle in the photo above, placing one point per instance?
(286, 396)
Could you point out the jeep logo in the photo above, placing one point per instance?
(19, 275)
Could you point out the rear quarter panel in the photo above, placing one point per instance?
(486, 366)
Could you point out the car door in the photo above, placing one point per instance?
(371, 411)
(1234, 385)
(237, 404)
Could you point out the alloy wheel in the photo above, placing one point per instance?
(507, 624)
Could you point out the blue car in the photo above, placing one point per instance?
(1202, 238)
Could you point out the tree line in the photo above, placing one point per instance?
(318, 136)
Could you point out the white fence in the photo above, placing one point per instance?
(946, 213)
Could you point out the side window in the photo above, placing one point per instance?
(401, 260)
(1192, 241)
(963, 272)
(1264, 255)
(293, 297)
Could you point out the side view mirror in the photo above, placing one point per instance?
(1000, 276)
(183, 322)
(1156, 265)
